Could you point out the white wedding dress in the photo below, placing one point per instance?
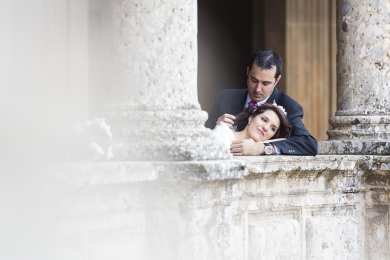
(223, 133)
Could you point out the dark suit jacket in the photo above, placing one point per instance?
(300, 142)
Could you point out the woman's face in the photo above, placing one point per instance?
(263, 126)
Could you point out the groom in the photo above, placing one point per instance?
(263, 73)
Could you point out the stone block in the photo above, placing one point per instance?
(279, 239)
(331, 237)
(377, 230)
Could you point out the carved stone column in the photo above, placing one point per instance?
(361, 124)
(154, 104)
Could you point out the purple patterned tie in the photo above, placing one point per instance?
(253, 104)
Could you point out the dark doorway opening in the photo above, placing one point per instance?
(228, 33)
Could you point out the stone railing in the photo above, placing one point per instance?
(196, 203)
(277, 207)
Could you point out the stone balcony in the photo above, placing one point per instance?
(276, 207)
(195, 203)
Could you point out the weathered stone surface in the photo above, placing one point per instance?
(376, 229)
(363, 66)
(373, 147)
(165, 135)
(154, 45)
(331, 237)
(275, 207)
(105, 173)
(361, 124)
(283, 235)
(151, 66)
(196, 207)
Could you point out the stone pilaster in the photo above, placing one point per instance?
(153, 93)
(361, 124)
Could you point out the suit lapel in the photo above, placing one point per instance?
(237, 103)
(274, 96)
(240, 100)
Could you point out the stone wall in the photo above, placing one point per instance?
(324, 207)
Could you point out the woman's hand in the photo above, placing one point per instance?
(227, 119)
(247, 147)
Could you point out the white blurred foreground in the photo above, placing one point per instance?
(200, 204)
(44, 81)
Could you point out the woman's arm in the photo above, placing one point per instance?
(250, 147)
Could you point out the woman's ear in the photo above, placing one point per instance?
(250, 119)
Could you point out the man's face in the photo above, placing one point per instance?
(261, 82)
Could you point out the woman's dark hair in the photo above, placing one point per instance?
(284, 128)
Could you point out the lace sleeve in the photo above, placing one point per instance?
(224, 133)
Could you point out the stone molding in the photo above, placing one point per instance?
(363, 147)
(106, 173)
(240, 167)
(360, 127)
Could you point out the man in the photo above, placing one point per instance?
(264, 72)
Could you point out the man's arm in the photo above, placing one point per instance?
(298, 145)
(217, 116)
(300, 142)
(229, 102)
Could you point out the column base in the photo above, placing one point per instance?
(358, 147)
(360, 127)
(357, 134)
(165, 135)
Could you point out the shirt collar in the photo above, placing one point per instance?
(248, 99)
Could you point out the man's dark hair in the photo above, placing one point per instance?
(266, 59)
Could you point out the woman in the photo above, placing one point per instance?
(260, 124)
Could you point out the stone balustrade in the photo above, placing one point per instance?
(277, 207)
(190, 200)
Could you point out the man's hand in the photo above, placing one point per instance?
(246, 147)
(227, 119)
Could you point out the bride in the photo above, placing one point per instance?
(260, 124)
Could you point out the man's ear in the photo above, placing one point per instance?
(277, 79)
(247, 71)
